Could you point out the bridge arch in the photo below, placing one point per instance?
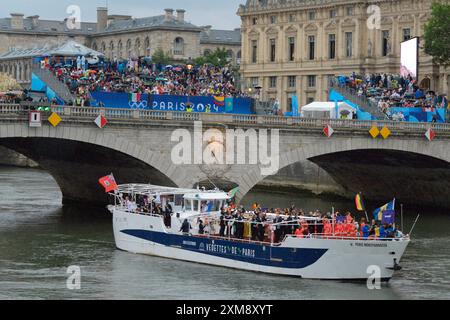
(347, 145)
(65, 150)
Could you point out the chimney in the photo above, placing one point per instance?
(207, 29)
(102, 18)
(169, 14)
(34, 21)
(17, 21)
(180, 15)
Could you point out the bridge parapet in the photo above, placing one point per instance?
(149, 117)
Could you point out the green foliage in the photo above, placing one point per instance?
(161, 57)
(437, 33)
(218, 58)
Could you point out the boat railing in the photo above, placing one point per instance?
(324, 236)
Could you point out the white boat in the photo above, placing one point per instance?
(316, 256)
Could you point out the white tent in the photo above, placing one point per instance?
(327, 110)
(74, 49)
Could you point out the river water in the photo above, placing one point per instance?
(40, 239)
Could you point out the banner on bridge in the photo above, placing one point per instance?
(173, 103)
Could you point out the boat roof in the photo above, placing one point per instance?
(152, 190)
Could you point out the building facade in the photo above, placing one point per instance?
(116, 36)
(294, 47)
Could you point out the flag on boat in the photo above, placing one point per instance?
(359, 202)
(388, 217)
(233, 192)
(134, 97)
(378, 213)
(109, 183)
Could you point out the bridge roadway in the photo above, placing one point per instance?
(136, 145)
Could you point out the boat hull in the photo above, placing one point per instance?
(306, 258)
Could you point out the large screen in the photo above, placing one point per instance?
(409, 58)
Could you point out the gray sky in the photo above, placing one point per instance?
(221, 14)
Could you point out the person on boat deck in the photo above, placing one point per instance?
(327, 227)
(365, 230)
(168, 215)
(390, 231)
(278, 228)
(186, 226)
(374, 230)
(201, 227)
(299, 233)
(289, 223)
(228, 218)
(254, 226)
(383, 228)
(240, 226)
(261, 219)
(222, 223)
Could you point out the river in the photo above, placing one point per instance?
(40, 239)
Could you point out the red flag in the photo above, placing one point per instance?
(100, 121)
(328, 131)
(109, 183)
(430, 135)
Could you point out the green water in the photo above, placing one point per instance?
(39, 239)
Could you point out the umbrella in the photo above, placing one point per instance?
(345, 112)
(169, 66)
(161, 79)
(92, 71)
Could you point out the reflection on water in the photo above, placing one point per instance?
(39, 239)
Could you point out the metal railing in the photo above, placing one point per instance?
(74, 114)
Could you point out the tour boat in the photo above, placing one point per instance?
(316, 256)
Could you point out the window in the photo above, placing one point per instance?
(348, 44)
(292, 81)
(254, 51)
(312, 47)
(333, 14)
(406, 34)
(273, 49)
(312, 15)
(385, 43)
(272, 82)
(332, 46)
(312, 81)
(255, 21)
(349, 11)
(254, 81)
(291, 51)
(273, 19)
(291, 17)
(206, 53)
(178, 46)
(310, 100)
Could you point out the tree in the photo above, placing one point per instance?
(160, 57)
(218, 58)
(437, 33)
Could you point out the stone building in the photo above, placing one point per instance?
(116, 36)
(293, 47)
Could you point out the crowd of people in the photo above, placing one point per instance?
(267, 225)
(272, 225)
(389, 90)
(146, 78)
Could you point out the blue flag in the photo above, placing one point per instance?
(229, 105)
(388, 217)
(378, 213)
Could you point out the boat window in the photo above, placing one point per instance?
(195, 205)
(187, 205)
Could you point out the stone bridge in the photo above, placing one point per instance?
(136, 146)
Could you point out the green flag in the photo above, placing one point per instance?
(233, 192)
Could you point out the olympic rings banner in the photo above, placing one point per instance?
(173, 103)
